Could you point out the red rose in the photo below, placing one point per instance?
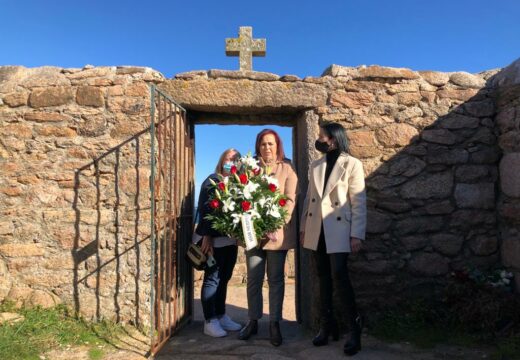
(272, 187)
(243, 178)
(256, 171)
(233, 169)
(246, 205)
(214, 204)
(222, 186)
(282, 202)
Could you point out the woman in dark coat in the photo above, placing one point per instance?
(224, 251)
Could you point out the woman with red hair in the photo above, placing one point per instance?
(270, 153)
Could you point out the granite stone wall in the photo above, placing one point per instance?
(507, 121)
(428, 142)
(74, 196)
(74, 193)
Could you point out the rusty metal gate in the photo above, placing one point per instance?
(172, 189)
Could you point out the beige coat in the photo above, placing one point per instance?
(341, 206)
(288, 182)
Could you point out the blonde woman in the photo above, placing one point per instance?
(224, 251)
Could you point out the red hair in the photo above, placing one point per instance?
(280, 154)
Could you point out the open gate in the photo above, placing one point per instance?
(172, 191)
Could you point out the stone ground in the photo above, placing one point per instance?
(191, 343)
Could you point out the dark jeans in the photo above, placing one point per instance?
(257, 261)
(333, 274)
(214, 285)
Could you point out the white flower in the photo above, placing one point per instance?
(249, 161)
(236, 219)
(225, 179)
(271, 180)
(249, 189)
(228, 205)
(254, 214)
(262, 201)
(274, 212)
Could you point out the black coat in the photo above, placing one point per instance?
(206, 191)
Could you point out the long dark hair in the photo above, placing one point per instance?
(337, 132)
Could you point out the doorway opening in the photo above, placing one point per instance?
(212, 139)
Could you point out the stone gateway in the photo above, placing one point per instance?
(440, 153)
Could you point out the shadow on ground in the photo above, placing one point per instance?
(191, 343)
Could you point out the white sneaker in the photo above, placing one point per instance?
(228, 324)
(213, 328)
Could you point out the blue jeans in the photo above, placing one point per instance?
(214, 285)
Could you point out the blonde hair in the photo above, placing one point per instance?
(220, 164)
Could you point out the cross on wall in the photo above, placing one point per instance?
(245, 47)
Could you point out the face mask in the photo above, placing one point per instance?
(227, 167)
(321, 146)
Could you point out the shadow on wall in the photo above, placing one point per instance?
(431, 203)
(111, 250)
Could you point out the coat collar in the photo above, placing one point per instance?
(337, 172)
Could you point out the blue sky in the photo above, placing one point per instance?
(303, 38)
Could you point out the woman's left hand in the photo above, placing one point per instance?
(355, 244)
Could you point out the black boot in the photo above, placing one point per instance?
(328, 327)
(251, 328)
(275, 336)
(353, 345)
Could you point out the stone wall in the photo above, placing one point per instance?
(428, 142)
(75, 229)
(74, 168)
(508, 125)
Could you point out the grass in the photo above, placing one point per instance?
(426, 326)
(95, 354)
(415, 323)
(46, 329)
(508, 348)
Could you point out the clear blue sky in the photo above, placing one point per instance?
(303, 38)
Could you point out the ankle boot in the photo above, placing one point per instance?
(251, 328)
(327, 327)
(275, 335)
(353, 345)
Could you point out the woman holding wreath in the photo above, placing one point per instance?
(271, 256)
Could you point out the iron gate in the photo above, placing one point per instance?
(172, 189)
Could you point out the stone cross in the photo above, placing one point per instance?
(245, 47)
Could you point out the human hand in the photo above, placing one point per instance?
(207, 245)
(355, 244)
(271, 236)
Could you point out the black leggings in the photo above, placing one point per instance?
(333, 274)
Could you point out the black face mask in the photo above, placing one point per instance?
(321, 146)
